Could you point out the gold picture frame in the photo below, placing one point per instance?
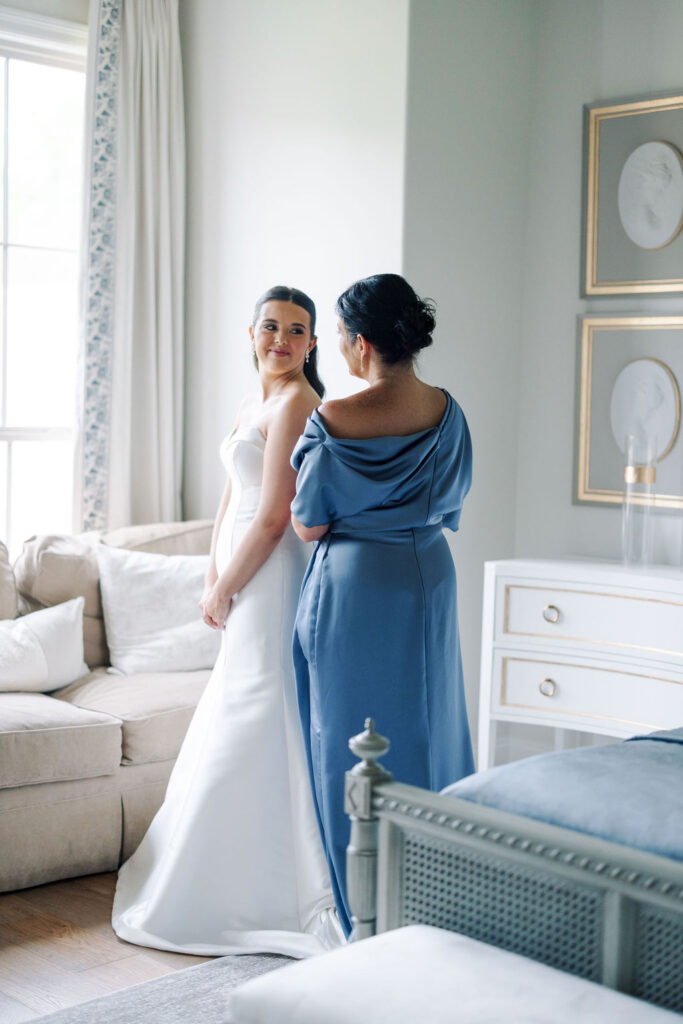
(612, 263)
(606, 344)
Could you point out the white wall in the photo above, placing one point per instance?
(298, 118)
(295, 137)
(588, 50)
(470, 76)
(492, 230)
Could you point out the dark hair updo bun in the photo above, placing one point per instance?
(388, 313)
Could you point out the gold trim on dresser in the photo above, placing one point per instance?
(584, 639)
(504, 703)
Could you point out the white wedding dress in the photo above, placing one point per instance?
(233, 861)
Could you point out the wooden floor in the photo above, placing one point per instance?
(57, 949)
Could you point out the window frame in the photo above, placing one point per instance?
(43, 39)
(39, 39)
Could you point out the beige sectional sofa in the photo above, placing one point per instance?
(84, 768)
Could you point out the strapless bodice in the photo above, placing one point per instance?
(242, 455)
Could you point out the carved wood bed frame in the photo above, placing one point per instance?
(596, 909)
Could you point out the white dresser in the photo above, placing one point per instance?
(591, 646)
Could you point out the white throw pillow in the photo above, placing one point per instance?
(151, 613)
(44, 650)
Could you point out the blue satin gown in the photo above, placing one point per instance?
(377, 628)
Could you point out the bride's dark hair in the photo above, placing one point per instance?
(389, 314)
(282, 293)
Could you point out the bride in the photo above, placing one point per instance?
(233, 861)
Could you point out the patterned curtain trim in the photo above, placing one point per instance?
(100, 261)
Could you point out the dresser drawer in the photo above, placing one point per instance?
(566, 692)
(637, 624)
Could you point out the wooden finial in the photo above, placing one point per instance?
(361, 853)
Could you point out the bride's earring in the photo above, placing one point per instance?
(308, 355)
(361, 362)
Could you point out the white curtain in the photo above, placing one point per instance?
(130, 459)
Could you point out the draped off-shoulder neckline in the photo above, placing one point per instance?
(384, 483)
(317, 419)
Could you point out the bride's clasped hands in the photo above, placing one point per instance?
(215, 606)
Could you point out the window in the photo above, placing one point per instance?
(42, 91)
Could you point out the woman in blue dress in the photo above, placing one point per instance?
(379, 475)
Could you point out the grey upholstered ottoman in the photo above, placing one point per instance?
(425, 974)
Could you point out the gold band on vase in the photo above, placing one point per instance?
(640, 474)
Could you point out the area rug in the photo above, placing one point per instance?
(196, 995)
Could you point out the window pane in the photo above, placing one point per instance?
(3, 407)
(45, 137)
(41, 490)
(3, 491)
(41, 338)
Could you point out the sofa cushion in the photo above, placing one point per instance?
(8, 587)
(48, 740)
(190, 538)
(55, 568)
(95, 650)
(154, 707)
(58, 830)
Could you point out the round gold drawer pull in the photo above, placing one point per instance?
(548, 687)
(551, 613)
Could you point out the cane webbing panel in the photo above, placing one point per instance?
(551, 919)
(658, 975)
